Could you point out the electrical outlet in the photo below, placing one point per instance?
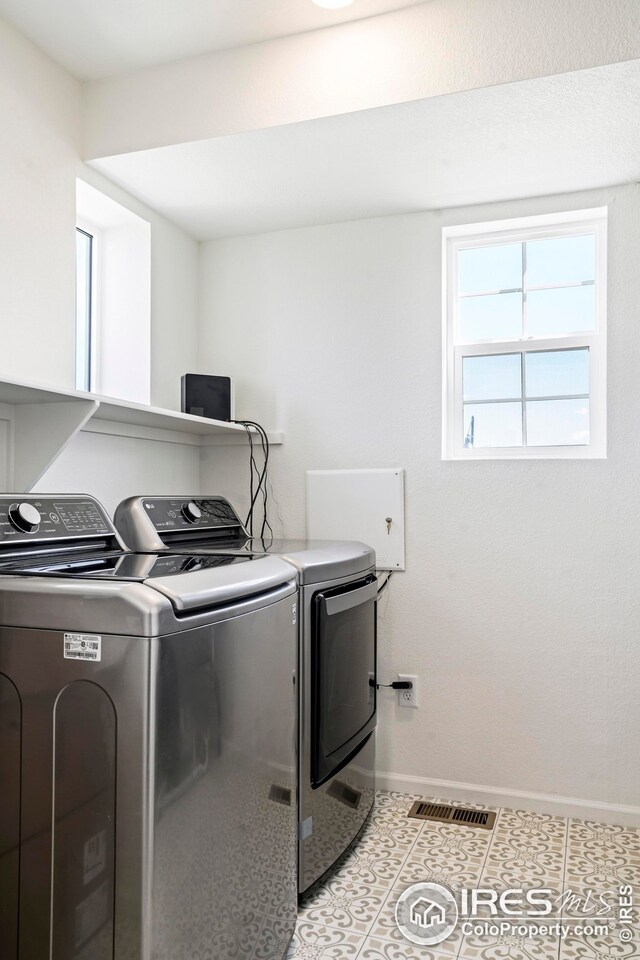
(408, 698)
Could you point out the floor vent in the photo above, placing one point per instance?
(445, 813)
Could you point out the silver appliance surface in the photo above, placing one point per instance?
(211, 525)
(147, 746)
(330, 813)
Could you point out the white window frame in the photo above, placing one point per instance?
(459, 238)
(96, 253)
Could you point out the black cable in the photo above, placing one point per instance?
(258, 479)
(254, 475)
(396, 685)
(384, 585)
(261, 477)
(263, 484)
(255, 478)
(265, 492)
(252, 466)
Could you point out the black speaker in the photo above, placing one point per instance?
(210, 397)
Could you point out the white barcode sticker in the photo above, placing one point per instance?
(82, 646)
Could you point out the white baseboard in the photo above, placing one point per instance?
(619, 814)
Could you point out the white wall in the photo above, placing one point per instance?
(174, 310)
(441, 46)
(5, 440)
(519, 607)
(40, 122)
(174, 295)
(112, 468)
(40, 115)
(124, 328)
(121, 290)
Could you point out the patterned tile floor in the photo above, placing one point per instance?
(351, 912)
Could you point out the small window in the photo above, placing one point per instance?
(85, 304)
(113, 298)
(525, 338)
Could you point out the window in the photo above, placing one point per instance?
(525, 338)
(85, 304)
(113, 300)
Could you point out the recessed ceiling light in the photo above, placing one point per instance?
(332, 4)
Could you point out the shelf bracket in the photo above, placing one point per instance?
(41, 431)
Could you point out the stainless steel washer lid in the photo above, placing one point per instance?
(151, 608)
(63, 567)
(199, 589)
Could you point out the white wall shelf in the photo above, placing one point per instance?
(40, 421)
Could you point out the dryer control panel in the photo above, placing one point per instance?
(180, 513)
(158, 523)
(47, 519)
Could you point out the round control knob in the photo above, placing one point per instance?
(25, 517)
(191, 512)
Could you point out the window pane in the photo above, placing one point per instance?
(568, 310)
(557, 423)
(496, 317)
(493, 424)
(561, 260)
(490, 268)
(492, 378)
(557, 373)
(83, 310)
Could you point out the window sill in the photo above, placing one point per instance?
(544, 453)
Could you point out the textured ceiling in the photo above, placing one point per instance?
(95, 39)
(553, 135)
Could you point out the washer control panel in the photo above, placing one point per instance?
(168, 514)
(33, 518)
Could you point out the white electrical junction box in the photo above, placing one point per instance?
(366, 505)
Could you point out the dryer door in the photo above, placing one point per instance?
(343, 702)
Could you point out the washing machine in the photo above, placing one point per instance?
(147, 745)
(337, 658)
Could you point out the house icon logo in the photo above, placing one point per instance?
(426, 913)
